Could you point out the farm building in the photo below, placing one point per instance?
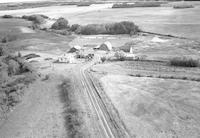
(127, 48)
(75, 49)
(66, 58)
(106, 46)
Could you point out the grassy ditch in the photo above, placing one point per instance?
(73, 118)
(166, 77)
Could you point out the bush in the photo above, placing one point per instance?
(125, 27)
(182, 6)
(61, 23)
(37, 19)
(13, 67)
(137, 4)
(7, 16)
(26, 67)
(3, 51)
(184, 62)
(62, 32)
(93, 29)
(75, 27)
(12, 80)
(103, 59)
(3, 72)
(120, 55)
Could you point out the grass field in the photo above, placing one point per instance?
(156, 107)
(166, 20)
(153, 98)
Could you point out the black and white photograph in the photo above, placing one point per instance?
(99, 68)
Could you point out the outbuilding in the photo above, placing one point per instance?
(66, 58)
(106, 46)
(128, 49)
(75, 49)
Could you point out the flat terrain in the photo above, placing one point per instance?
(39, 115)
(165, 20)
(156, 107)
(61, 103)
(152, 98)
(87, 98)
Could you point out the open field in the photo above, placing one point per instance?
(153, 98)
(155, 107)
(76, 113)
(165, 20)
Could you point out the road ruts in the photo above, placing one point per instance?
(110, 128)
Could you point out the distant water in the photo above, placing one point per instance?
(16, 1)
(57, 11)
(165, 20)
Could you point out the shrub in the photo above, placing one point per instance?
(125, 27)
(137, 4)
(184, 62)
(138, 75)
(182, 6)
(103, 59)
(93, 29)
(61, 23)
(26, 67)
(3, 51)
(12, 81)
(120, 55)
(3, 72)
(62, 32)
(75, 27)
(37, 19)
(35, 26)
(84, 4)
(13, 67)
(43, 16)
(7, 16)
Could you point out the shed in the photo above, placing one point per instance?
(127, 48)
(106, 46)
(75, 49)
